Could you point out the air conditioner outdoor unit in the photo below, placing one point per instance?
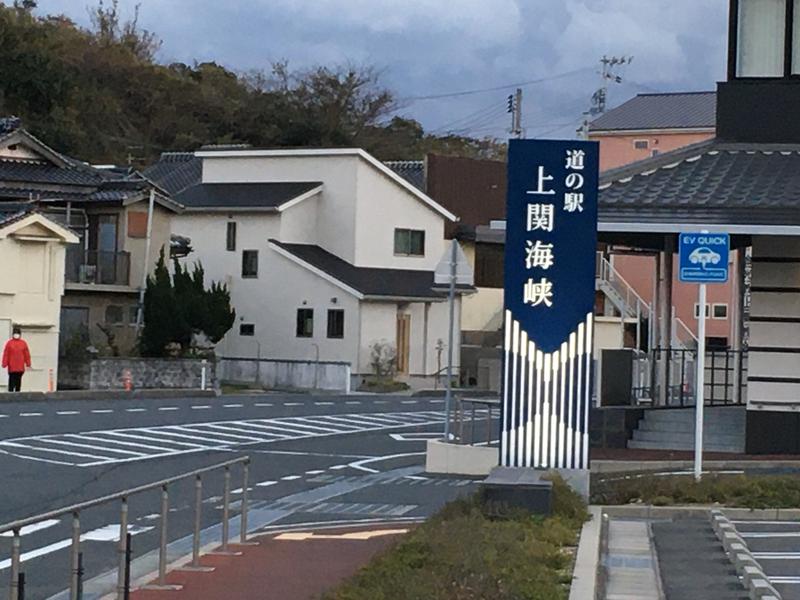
(87, 273)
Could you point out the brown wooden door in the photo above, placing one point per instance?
(403, 343)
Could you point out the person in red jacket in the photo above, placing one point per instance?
(16, 356)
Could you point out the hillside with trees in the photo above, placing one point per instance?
(100, 94)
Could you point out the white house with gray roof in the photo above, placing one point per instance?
(327, 252)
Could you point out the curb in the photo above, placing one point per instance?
(587, 559)
(7, 398)
(647, 511)
(749, 570)
(601, 466)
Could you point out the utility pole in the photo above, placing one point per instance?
(600, 96)
(515, 110)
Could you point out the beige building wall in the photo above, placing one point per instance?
(618, 149)
(31, 285)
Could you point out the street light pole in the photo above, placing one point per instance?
(452, 299)
(700, 392)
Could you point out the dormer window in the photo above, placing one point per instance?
(766, 43)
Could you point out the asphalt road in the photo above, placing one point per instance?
(315, 459)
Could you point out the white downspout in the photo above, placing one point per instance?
(140, 313)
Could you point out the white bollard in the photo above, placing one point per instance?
(204, 362)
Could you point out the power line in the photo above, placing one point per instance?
(496, 88)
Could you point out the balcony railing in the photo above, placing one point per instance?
(98, 267)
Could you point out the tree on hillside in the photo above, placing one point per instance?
(100, 95)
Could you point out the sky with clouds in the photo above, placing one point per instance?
(433, 47)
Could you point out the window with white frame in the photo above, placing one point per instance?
(697, 310)
(719, 311)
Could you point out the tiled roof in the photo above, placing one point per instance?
(175, 171)
(692, 110)
(370, 281)
(243, 195)
(48, 173)
(412, 171)
(711, 182)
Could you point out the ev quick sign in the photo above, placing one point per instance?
(551, 243)
(703, 257)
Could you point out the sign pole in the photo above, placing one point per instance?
(452, 299)
(701, 376)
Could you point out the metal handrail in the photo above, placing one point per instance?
(122, 550)
(627, 287)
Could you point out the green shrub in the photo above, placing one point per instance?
(463, 554)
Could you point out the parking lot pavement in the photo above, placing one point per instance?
(776, 547)
(692, 562)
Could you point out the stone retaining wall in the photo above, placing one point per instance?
(145, 373)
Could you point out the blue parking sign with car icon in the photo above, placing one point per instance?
(703, 257)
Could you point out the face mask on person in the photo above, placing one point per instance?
(16, 336)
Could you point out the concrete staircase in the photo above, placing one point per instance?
(673, 429)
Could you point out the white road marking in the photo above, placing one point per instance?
(135, 410)
(168, 408)
(200, 407)
(324, 403)
(315, 472)
(102, 411)
(409, 401)
(68, 412)
(33, 414)
(262, 404)
(337, 467)
(266, 483)
(109, 446)
(353, 402)
(232, 405)
(290, 477)
(32, 528)
(293, 404)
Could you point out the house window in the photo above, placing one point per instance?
(719, 311)
(133, 314)
(761, 38)
(697, 310)
(641, 144)
(248, 329)
(114, 315)
(230, 237)
(335, 323)
(249, 264)
(409, 242)
(489, 265)
(305, 322)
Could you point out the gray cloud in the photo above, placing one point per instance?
(426, 47)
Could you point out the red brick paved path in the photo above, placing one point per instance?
(277, 569)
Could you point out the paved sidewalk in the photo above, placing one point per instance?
(630, 564)
(288, 566)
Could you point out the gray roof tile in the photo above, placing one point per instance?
(175, 171)
(370, 281)
(686, 110)
(243, 195)
(710, 182)
(412, 171)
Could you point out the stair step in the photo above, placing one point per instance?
(665, 436)
(633, 444)
(674, 426)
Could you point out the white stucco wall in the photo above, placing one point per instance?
(336, 210)
(378, 324)
(31, 286)
(383, 206)
(299, 222)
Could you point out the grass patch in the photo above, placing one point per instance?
(462, 554)
(746, 491)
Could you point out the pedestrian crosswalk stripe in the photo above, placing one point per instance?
(109, 446)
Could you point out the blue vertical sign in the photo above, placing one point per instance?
(551, 244)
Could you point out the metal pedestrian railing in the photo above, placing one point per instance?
(123, 547)
(463, 406)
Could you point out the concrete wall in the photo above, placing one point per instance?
(336, 214)
(150, 373)
(774, 356)
(285, 374)
(382, 206)
(31, 286)
(617, 149)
